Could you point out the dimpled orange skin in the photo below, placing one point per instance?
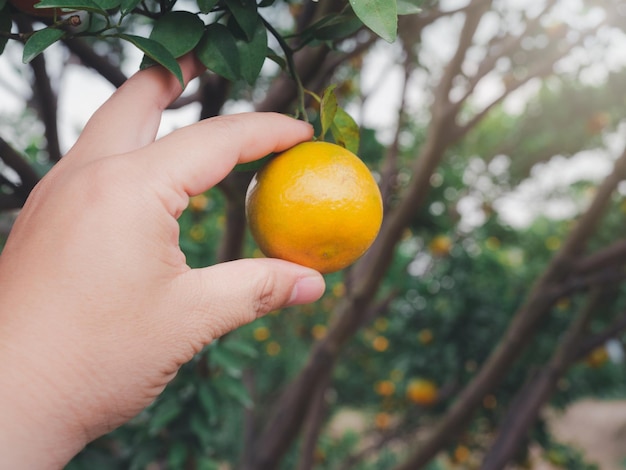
(315, 204)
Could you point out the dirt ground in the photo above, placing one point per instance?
(596, 427)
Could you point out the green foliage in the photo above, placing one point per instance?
(231, 35)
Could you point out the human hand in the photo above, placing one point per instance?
(98, 308)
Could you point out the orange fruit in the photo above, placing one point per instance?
(316, 204)
(598, 357)
(440, 246)
(423, 392)
(384, 388)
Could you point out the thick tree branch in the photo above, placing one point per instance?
(313, 424)
(617, 327)
(101, 64)
(524, 411)
(365, 278)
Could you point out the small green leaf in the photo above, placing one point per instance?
(207, 463)
(409, 7)
(127, 6)
(206, 5)
(178, 31)
(218, 52)
(39, 41)
(381, 16)
(252, 54)
(241, 347)
(5, 27)
(85, 5)
(336, 27)
(235, 389)
(245, 14)
(201, 429)
(328, 109)
(164, 413)
(207, 401)
(156, 52)
(228, 361)
(345, 131)
(177, 455)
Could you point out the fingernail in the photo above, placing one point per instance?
(307, 289)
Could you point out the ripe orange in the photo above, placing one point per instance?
(423, 392)
(440, 246)
(315, 204)
(598, 357)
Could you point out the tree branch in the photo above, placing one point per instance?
(46, 97)
(523, 413)
(101, 64)
(17, 163)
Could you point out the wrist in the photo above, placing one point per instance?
(40, 427)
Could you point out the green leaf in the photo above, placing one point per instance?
(228, 361)
(108, 4)
(328, 109)
(207, 401)
(252, 54)
(178, 31)
(177, 455)
(127, 6)
(85, 5)
(218, 52)
(5, 27)
(207, 463)
(164, 413)
(381, 16)
(156, 52)
(345, 131)
(235, 389)
(241, 347)
(201, 429)
(245, 14)
(206, 5)
(409, 7)
(334, 27)
(39, 41)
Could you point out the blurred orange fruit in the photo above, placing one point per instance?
(598, 357)
(316, 204)
(380, 343)
(385, 388)
(422, 392)
(440, 245)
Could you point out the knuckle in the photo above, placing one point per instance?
(267, 297)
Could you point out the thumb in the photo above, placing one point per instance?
(226, 296)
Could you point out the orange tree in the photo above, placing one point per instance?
(460, 324)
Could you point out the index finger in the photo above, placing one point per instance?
(194, 158)
(130, 118)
